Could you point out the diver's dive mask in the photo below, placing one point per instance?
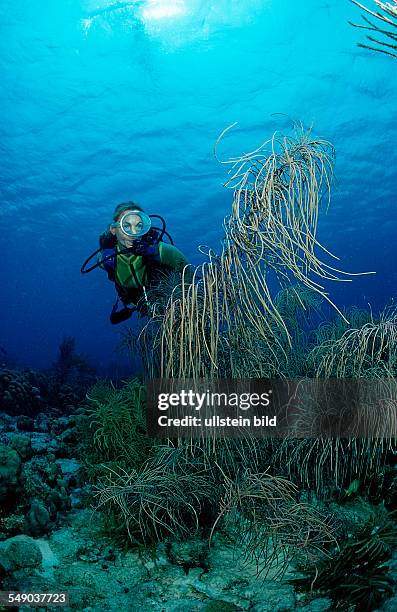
(134, 223)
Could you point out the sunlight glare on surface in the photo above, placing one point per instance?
(160, 9)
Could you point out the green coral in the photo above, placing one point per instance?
(164, 497)
(358, 572)
(118, 421)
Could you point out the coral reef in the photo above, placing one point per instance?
(10, 465)
(191, 524)
(61, 388)
(21, 392)
(255, 310)
(35, 483)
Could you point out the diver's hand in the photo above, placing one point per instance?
(142, 248)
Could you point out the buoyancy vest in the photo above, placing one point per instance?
(149, 259)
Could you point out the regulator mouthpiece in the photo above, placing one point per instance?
(134, 223)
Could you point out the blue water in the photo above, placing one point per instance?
(108, 101)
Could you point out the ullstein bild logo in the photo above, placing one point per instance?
(217, 421)
(272, 408)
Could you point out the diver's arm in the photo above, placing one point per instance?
(172, 257)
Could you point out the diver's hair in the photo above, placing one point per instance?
(120, 208)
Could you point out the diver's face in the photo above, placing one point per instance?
(132, 224)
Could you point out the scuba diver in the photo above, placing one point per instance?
(135, 257)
